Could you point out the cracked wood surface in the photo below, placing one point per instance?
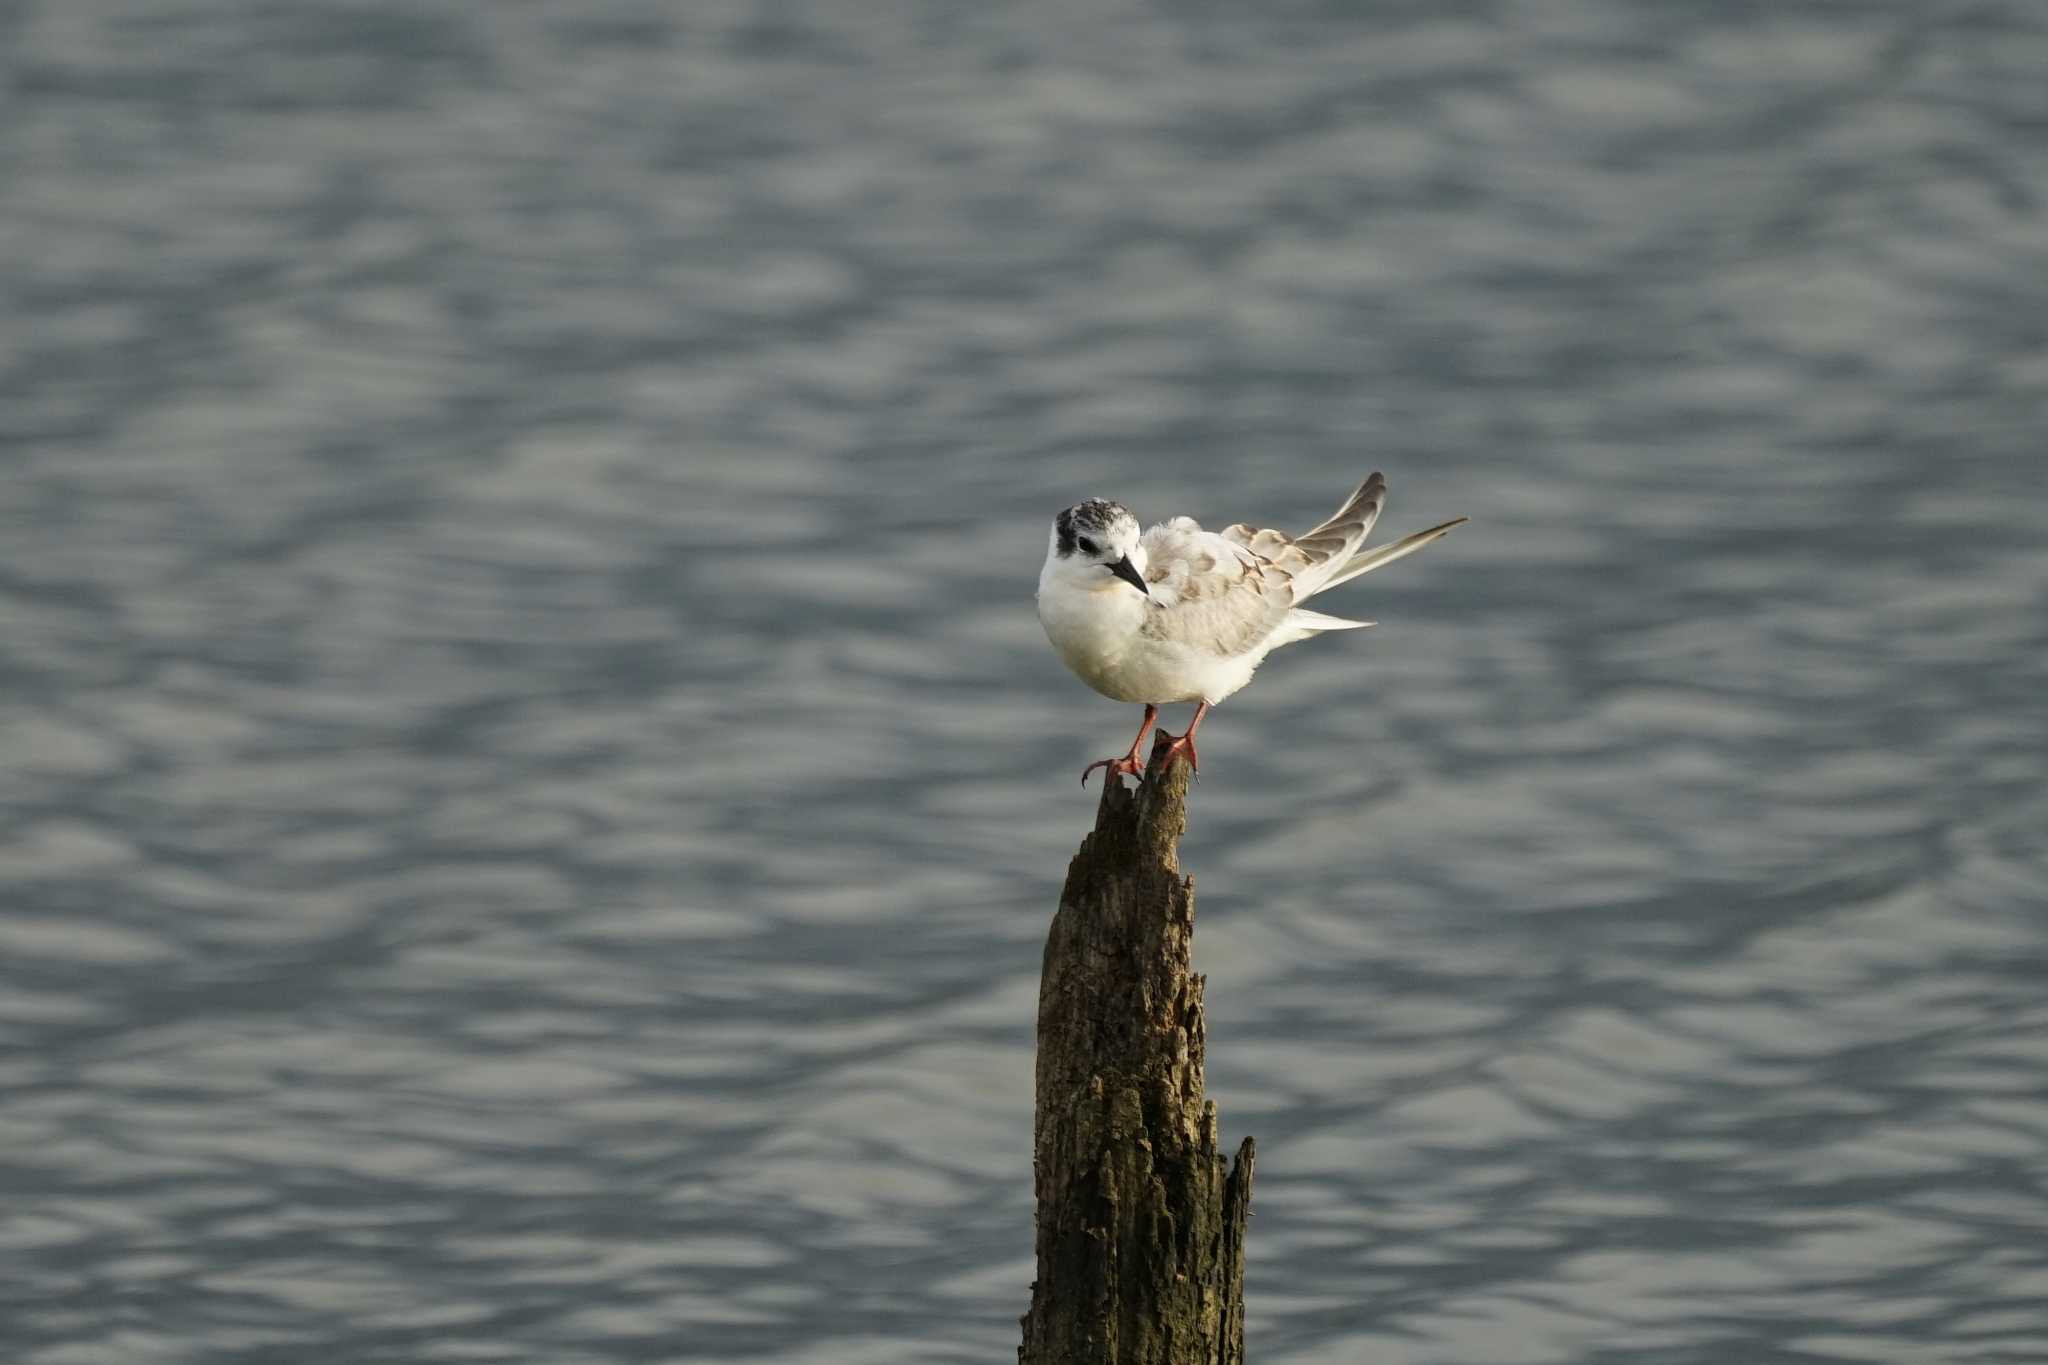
(1141, 1221)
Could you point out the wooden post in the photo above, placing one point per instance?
(1141, 1222)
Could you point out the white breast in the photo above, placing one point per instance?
(1096, 634)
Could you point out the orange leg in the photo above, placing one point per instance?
(1129, 762)
(1186, 743)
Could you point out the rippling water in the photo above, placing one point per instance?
(534, 788)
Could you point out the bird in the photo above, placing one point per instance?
(1179, 614)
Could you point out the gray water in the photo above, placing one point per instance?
(534, 790)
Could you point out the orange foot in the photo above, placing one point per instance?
(1129, 763)
(1116, 766)
(1177, 745)
(1185, 744)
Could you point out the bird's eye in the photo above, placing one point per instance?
(1089, 546)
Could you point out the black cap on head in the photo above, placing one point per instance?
(1094, 516)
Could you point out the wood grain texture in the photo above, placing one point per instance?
(1141, 1221)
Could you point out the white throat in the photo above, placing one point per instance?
(1092, 619)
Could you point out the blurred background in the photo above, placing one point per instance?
(533, 787)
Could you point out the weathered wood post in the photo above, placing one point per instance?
(1141, 1222)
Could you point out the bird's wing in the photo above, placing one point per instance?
(1214, 593)
(1315, 556)
(1365, 561)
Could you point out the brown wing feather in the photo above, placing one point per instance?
(1312, 556)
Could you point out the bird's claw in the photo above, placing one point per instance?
(1183, 744)
(1128, 764)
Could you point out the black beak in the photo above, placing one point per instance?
(1123, 569)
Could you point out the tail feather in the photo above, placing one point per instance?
(1365, 561)
(1301, 623)
(1304, 619)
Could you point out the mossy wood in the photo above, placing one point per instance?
(1141, 1221)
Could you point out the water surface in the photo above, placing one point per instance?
(534, 790)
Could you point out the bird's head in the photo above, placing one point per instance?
(1095, 545)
